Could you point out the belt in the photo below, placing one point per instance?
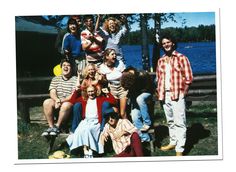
(95, 62)
(114, 83)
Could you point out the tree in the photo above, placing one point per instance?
(159, 19)
(145, 52)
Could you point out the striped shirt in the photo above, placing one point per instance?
(94, 52)
(180, 75)
(63, 87)
(120, 143)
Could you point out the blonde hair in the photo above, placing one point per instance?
(85, 71)
(98, 81)
(97, 91)
(117, 24)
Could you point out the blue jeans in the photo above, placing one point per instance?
(106, 108)
(140, 114)
(77, 116)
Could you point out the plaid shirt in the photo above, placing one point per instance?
(120, 143)
(181, 74)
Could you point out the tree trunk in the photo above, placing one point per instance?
(145, 49)
(156, 44)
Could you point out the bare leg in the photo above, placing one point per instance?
(48, 108)
(123, 102)
(86, 151)
(64, 113)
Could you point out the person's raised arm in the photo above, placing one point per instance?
(124, 22)
(97, 23)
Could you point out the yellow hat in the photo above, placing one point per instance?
(59, 155)
(57, 70)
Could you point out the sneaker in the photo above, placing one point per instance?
(86, 156)
(145, 127)
(54, 131)
(46, 132)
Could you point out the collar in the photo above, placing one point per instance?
(174, 54)
(65, 78)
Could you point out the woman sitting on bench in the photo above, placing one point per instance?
(87, 133)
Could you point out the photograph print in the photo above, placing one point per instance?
(118, 85)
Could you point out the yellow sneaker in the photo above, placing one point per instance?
(168, 147)
(179, 153)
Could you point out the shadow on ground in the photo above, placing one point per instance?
(194, 133)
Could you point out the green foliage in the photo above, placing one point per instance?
(23, 128)
(186, 34)
(192, 34)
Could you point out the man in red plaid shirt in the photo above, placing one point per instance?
(174, 75)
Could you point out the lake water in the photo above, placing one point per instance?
(36, 55)
(202, 56)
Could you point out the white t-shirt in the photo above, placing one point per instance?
(167, 76)
(115, 74)
(91, 109)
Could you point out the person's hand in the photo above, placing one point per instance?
(103, 139)
(99, 77)
(79, 73)
(67, 54)
(57, 103)
(105, 90)
(186, 88)
(90, 37)
(123, 18)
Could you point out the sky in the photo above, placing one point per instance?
(192, 19)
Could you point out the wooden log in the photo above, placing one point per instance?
(32, 96)
(202, 92)
(33, 79)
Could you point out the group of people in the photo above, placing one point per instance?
(105, 99)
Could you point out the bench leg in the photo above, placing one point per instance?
(151, 146)
(23, 108)
(50, 141)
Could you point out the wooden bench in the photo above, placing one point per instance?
(153, 138)
(32, 92)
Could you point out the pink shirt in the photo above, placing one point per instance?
(120, 143)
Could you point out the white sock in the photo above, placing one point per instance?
(90, 152)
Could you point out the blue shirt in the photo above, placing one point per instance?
(73, 45)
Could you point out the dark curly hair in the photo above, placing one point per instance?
(112, 115)
(129, 77)
(127, 80)
(66, 60)
(71, 21)
(86, 17)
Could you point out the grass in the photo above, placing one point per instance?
(202, 135)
